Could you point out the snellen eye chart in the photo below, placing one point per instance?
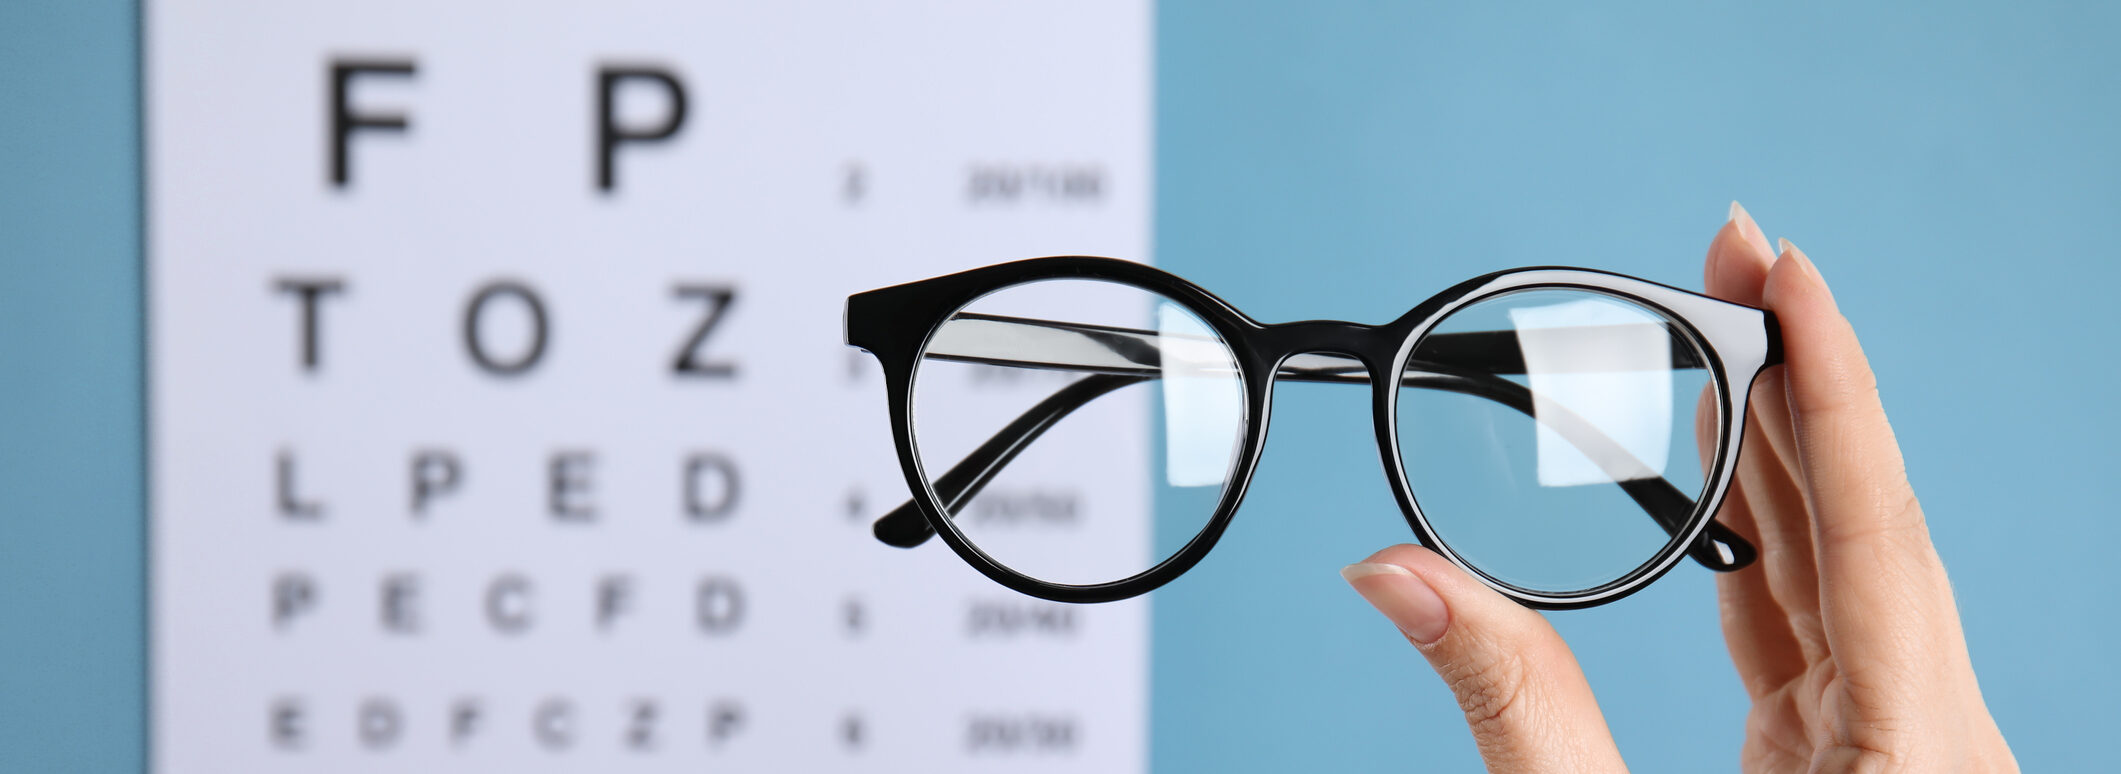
(499, 413)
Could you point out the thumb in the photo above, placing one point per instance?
(1520, 688)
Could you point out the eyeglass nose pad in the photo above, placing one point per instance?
(1723, 550)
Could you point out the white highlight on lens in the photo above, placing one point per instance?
(1609, 364)
(1202, 400)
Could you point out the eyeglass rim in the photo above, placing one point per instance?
(896, 323)
(1716, 481)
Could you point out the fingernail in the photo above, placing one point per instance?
(1803, 261)
(1402, 596)
(1747, 227)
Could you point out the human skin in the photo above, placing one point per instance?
(1844, 635)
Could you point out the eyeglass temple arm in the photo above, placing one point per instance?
(905, 527)
(1120, 357)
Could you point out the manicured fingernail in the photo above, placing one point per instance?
(1803, 261)
(1747, 227)
(1402, 596)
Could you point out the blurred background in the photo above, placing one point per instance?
(1951, 168)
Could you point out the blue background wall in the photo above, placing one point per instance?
(1951, 168)
(73, 527)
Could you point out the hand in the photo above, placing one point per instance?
(1846, 636)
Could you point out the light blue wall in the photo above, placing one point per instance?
(1952, 167)
(1943, 164)
(73, 653)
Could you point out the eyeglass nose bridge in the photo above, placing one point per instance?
(1323, 350)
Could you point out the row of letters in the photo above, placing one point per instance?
(497, 297)
(508, 603)
(708, 489)
(693, 356)
(985, 183)
(639, 725)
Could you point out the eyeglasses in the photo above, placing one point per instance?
(1565, 435)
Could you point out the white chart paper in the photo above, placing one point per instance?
(476, 452)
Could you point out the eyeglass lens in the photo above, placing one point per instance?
(1145, 416)
(1525, 490)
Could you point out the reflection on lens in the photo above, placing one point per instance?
(1523, 419)
(1134, 414)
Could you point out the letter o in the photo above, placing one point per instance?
(476, 310)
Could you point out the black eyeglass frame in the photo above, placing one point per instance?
(896, 323)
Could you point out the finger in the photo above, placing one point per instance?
(1738, 260)
(1786, 630)
(1777, 504)
(1738, 263)
(1763, 650)
(1737, 269)
(1525, 699)
(1769, 480)
(1884, 599)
